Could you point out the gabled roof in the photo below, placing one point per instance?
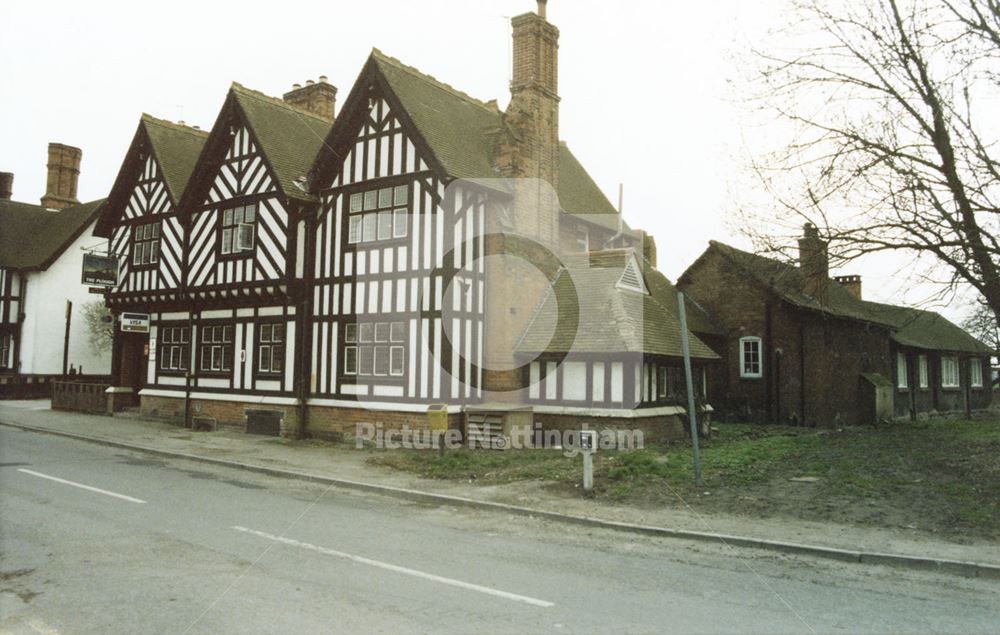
(928, 330)
(910, 327)
(176, 149)
(461, 133)
(610, 319)
(785, 280)
(289, 138)
(32, 237)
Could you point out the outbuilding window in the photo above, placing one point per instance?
(975, 373)
(949, 372)
(751, 357)
(922, 370)
(902, 379)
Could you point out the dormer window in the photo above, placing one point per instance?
(146, 244)
(238, 229)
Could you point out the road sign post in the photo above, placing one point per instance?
(588, 444)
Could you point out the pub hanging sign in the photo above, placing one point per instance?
(100, 271)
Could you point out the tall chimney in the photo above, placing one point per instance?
(534, 90)
(814, 263)
(6, 185)
(64, 172)
(851, 283)
(529, 145)
(319, 98)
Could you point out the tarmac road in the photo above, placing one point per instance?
(99, 540)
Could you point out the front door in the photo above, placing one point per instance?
(134, 362)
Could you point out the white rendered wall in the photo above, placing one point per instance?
(45, 316)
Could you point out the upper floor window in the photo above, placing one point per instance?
(217, 348)
(751, 357)
(174, 347)
(975, 373)
(902, 381)
(238, 228)
(922, 371)
(949, 372)
(146, 244)
(271, 348)
(374, 349)
(378, 215)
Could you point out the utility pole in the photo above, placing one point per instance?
(690, 386)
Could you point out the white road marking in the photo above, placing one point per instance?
(398, 569)
(82, 486)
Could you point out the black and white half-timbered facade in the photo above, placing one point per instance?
(338, 272)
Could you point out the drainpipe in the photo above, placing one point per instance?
(69, 316)
(192, 360)
(802, 373)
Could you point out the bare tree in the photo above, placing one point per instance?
(894, 108)
(981, 323)
(100, 328)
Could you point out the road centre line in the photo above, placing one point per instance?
(82, 486)
(398, 569)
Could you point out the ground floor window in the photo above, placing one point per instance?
(922, 371)
(174, 347)
(217, 348)
(975, 373)
(902, 380)
(6, 346)
(751, 357)
(949, 372)
(374, 349)
(271, 348)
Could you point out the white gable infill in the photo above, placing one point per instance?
(382, 148)
(631, 278)
(243, 172)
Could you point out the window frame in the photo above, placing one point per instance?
(954, 365)
(261, 342)
(751, 339)
(974, 382)
(371, 347)
(902, 371)
(377, 215)
(230, 230)
(923, 372)
(6, 349)
(138, 247)
(171, 339)
(212, 337)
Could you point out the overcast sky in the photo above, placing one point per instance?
(647, 87)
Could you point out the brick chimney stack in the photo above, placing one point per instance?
(319, 98)
(814, 263)
(529, 144)
(851, 283)
(64, 172)
(6, 185)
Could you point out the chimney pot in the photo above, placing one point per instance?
(63, 175)
(318, 98)
(541, 8)
(322, 79)
(6, 185)
(851, 283)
